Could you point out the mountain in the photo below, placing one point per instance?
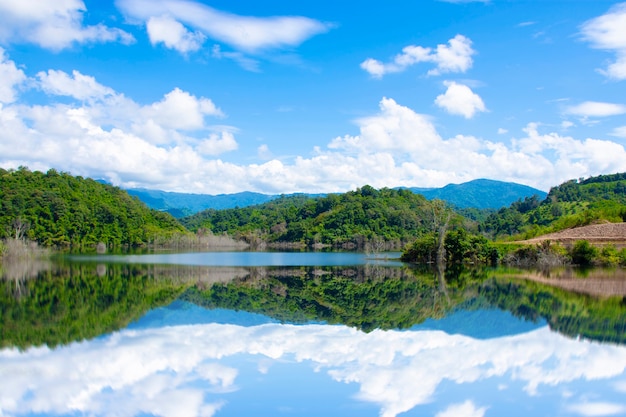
(475, 194)
(481, 193)
(182, 204)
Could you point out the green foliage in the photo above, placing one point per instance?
(609, 256)
(460, 247)
(583, 253)
(73, 303)
(356, 217)
(423, 250)
(57, 209)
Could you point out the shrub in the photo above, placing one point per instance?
(583, 253)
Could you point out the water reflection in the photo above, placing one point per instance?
(207, 369)
(102, 338)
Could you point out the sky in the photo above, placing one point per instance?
(218, 97)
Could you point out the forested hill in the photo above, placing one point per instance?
(355, 218)
(571, 204)
(58, 209)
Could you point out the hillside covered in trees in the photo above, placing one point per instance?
(58, 209)
(572, 204)
(366, 216)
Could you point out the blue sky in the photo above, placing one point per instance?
(278, 97)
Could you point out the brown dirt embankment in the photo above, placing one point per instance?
(598, 234)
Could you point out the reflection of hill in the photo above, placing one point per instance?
(73, 302)
(573, 314)
(390, 298)
(364, 297)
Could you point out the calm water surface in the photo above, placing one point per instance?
(202, 335)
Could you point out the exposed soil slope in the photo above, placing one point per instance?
(597, 233)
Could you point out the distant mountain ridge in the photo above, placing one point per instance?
(481, 194)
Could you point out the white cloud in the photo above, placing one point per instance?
(10, 78)
(593, 409)
(79, 86)
(264, 152)
(181, 110)
(456, 56)
(164, 29)
(246, 33)
(620, 132)
(596, 109)
(459, 99)
(216, 145)
(53, 24)
(465, 409)
(502, 131)
(171, 144)
(245, 62)
(608, 32)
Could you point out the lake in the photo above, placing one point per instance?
(307, 334)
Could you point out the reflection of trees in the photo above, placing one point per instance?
(65, 303)
(569, 313)
(367, 297)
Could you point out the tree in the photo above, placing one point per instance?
(20, 228)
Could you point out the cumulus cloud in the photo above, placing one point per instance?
(459, 99)
(53, 25)
(596, 109)
(217, 144)
(10, 78)
(78, 86)
(173, 144)
(456, 56)
(181, 110)
(245, 33)
(164, 29)
(178, 370)
(608, 32)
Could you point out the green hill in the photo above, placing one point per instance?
(352, 219)
(58, 209)
(572, 204)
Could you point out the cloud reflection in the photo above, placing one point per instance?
(181, 370)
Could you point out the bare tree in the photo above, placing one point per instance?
(441, 216)
(20, 227)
